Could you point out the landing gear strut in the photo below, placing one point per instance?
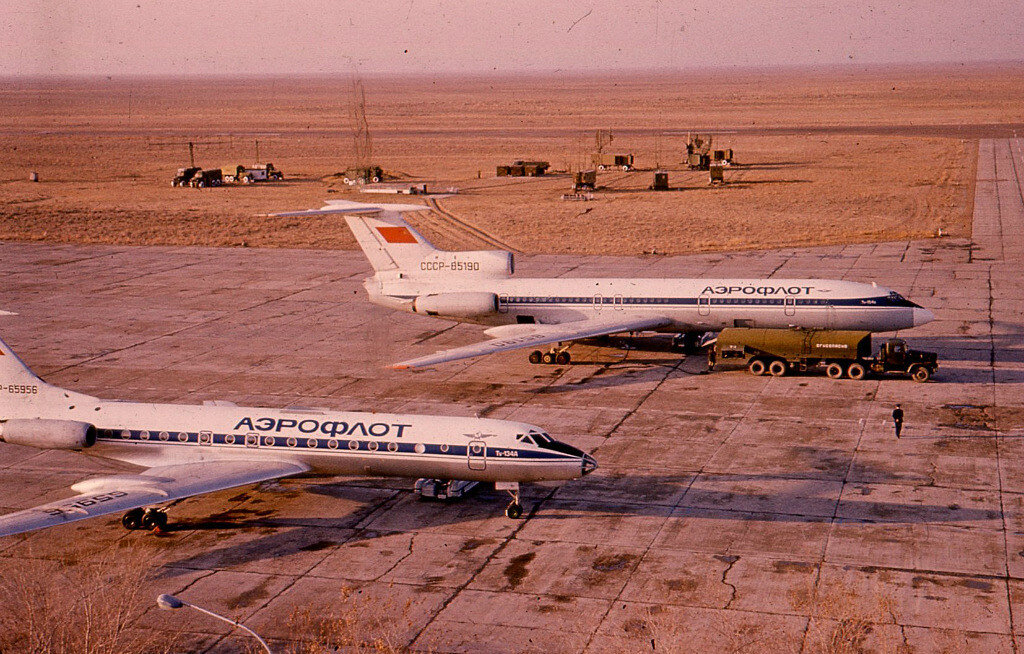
(554, 355)
(144, 519)
(514, 510)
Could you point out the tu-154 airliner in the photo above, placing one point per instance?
(410, 274)
(189, 450)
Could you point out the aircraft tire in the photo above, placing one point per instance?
(153, 519)
(514, 511)
(562, 358)
(132, 520)
(549, 357)
(756, 367)
(778, 368)
(834, 371)
(856, 371)
(536, 356)
(920, 373)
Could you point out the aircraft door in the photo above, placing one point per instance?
(617, 303)
(476, 455)
(502, 304)
(704, 305)
(598, 301)
(790, 305)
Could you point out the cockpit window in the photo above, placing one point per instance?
(541, 438)
(893, 295)
(525, 438)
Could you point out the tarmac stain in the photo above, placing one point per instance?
(516, 570)
(613, 562)
(474, 543)
(791, 566)
(682, 585)
(977, 584)
(731, 558)
(239, 498)
(250, 596)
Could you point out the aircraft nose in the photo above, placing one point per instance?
(589, 464)
(922, 316)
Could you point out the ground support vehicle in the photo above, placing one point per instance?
(838, 352)
(363, 175)
(184, 175)
(604, 161)
(249, 174)
(206, 178)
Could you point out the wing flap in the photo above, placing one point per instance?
(105, 495)
(536, 335)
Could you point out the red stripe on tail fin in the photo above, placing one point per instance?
(397, 234)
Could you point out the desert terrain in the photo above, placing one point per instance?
(823, 156)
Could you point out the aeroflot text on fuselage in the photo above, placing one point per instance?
(758, 290)
(326, 427)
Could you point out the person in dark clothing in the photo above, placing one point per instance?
(897, 419)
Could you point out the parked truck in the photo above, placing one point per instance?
(605, 160)
(249, 174)
(840, 353)
(184, 175)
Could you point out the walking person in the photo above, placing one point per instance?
(897, 419)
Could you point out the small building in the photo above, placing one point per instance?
(660, 181)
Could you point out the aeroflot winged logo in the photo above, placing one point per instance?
(397, 234)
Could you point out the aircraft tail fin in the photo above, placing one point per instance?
(389, 242)
(13, 370)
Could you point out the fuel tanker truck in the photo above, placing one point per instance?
(839, 353)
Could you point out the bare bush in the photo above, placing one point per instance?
(68, 606)
(353, 622)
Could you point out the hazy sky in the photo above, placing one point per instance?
(291, 36)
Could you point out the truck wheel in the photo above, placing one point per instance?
(625, 169)
(834, 371)
(777, 368)
(856, 371)
(601, 167)
(920, 373)
(756, 367)
(375, 179)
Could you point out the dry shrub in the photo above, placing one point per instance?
(68, 606)
(659, 632)
(845, 622)
(354, 622)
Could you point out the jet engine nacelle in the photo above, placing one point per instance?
(467, 304)
(459, 265)
(48, 434)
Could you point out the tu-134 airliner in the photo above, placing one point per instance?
(410, 274)
(188, 450)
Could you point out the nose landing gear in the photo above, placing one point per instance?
(514, 510)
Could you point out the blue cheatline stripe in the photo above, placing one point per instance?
(296, 443)
(747, 301)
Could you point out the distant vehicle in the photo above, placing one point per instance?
(188, 450)
(185, 175)
(838, 352)
(249, 174)
(207, 178)
(604, 160)
(523, 169)
(412, 275)
(364, 175)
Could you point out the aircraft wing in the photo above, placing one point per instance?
(514, 337)
(104, 495)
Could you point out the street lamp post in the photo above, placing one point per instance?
(171, 603)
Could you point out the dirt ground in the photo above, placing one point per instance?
(823, 156)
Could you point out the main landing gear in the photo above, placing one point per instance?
(514, 510)
(554, 355)
(149, 519)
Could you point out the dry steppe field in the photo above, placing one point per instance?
(824, 156)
